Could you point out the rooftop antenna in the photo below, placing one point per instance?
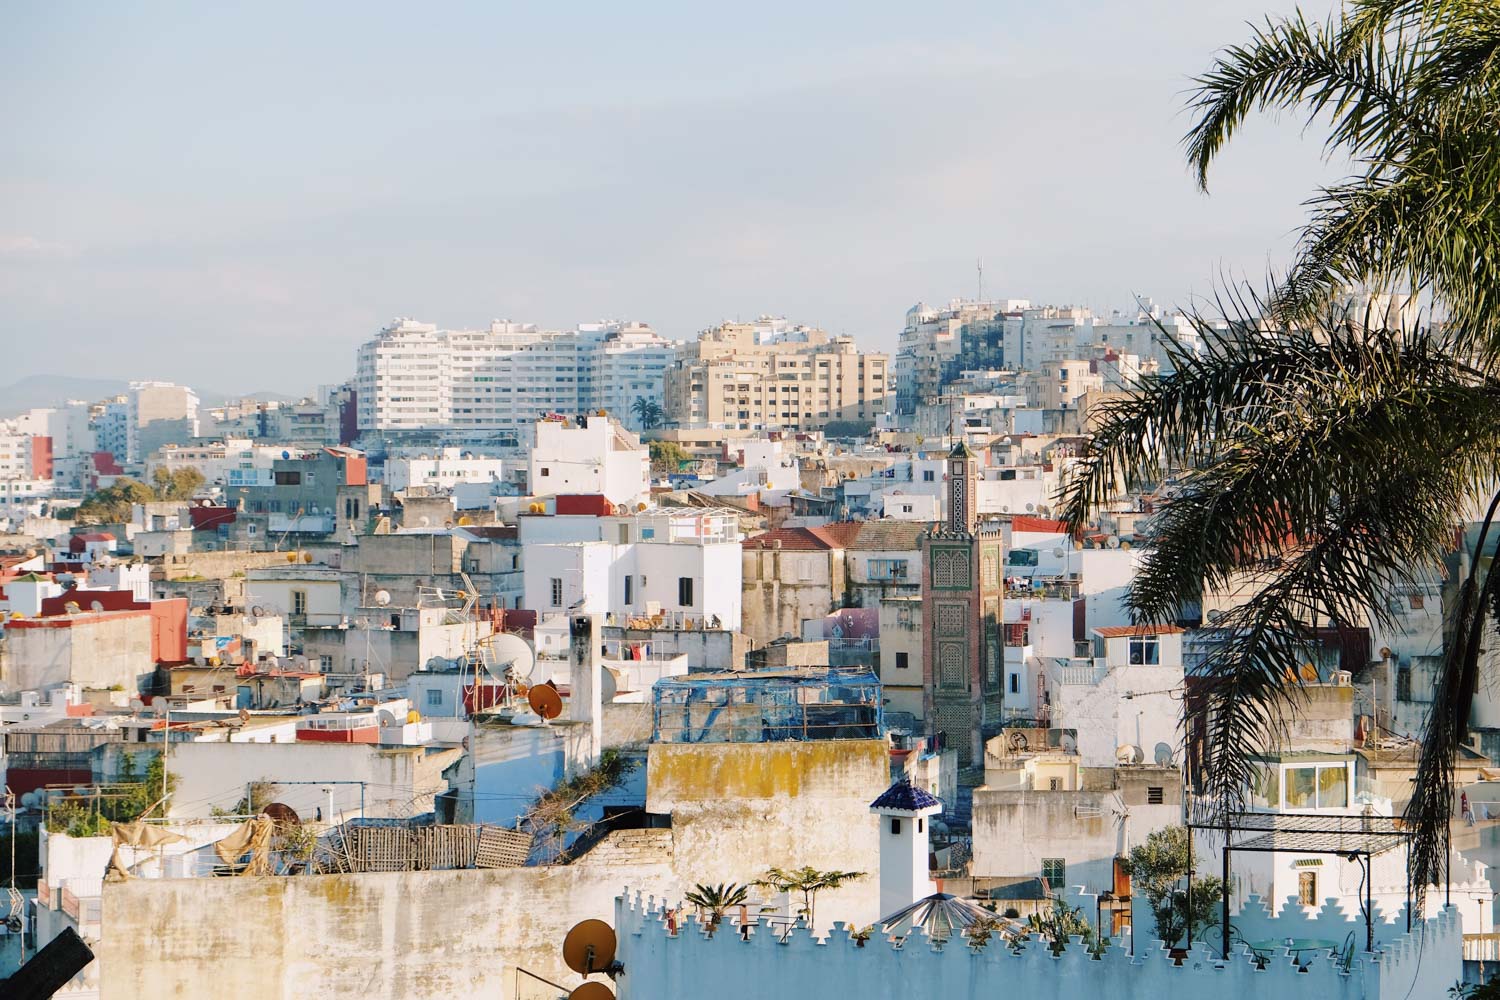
(979, 266)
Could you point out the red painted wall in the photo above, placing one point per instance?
(41, 457)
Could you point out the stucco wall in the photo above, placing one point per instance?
(92, 652)
(739, 808)
(383, 936)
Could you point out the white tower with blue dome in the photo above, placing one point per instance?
(904, 810)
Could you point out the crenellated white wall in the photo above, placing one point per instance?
(661, 964)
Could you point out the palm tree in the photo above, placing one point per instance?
(1409, 87)
(1320, 456)
(648, 411)
(717, 900)
(809, 882)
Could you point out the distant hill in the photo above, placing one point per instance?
(54, 390)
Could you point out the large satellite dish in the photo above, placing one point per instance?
(514, 651)
(1163, 755)
(589, 947)
(592, 991)
(382, 598)
(545, 701)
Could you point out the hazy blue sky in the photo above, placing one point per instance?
(237, 197)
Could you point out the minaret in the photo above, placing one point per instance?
(962, 492)
(903, 810)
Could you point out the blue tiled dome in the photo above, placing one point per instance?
(906, 796)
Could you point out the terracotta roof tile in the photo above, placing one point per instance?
(1116, 631)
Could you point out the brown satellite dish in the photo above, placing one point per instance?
(546, 702)
(1309, 674)
(592, 991)
(283, 814)
(589, 948)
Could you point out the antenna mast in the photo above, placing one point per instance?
(979, 266)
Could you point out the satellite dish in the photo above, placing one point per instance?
(386, 717)
(610, 684)
(1214, 615)
(1129, 754)
(1113, 541)
(258, 611)
(286, 454)
(72, 608)
(283, 814)
(513, 650)
(423, 521)
(96, 606)
(545, 701)
(244, 715)
(1030, 507)
(1059, 552)
(589, 947)
(592, 991)
(1163, 755)
(1308, 673)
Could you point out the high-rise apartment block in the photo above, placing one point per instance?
(768, 375)
(491, 385)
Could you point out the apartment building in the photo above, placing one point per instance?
(158, 413)
(767, 375)
(490, 385)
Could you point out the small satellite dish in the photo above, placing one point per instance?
(1214, 616)
(423, 521)
(286, 454)
(592, 991)
(1163, 755)
(1308, 673)
(386, 717)
(589, 947)
(244, 715)
(610, 684)
(72, 608)
(1385, 652)
(258, 611)
(545, 701)
(1059, 552)
(1130, 754)
(1030, 508)
(96, 606)
(382, 598)
(1113, 541)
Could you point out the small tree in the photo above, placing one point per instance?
(1155, 869)
(1060, 924)
(716, 900)
(809, 882)
(667, 456)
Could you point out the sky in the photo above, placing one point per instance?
(237, 195)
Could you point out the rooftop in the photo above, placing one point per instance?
(905, 796)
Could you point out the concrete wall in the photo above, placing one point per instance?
(740, 808)
(214, 565)
(91, 651)
(387, 936)
(397, 782)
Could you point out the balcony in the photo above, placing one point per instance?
(1082, 672)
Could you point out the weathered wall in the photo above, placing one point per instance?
(739, 808)
(381, 936)
(92, 651)
(217, 565)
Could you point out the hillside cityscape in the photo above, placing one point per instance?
(1012, 645)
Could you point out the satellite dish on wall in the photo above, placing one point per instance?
(386, 717)
(96, 606)
(1163, 755)
(1130, 754)
(589, 947)
(545, 701)
(592, 991)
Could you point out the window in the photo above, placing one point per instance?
(927, 475)
(1015, 683)
(1145, 650)
(1403, 683)
(685, 591)
(556, 592)
(1054, 872)
(629, 589)
(1317, 787)
(299, 602)
(896, 825)
(434, 697)
(288, 478)
(546, 471)
(888, 569)
(1154, 795)
(1307, 888)
(1054, 784)
(903, 660)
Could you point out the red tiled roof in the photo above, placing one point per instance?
(1117, 631)
(792, 539)
(840, 534)
(1040, 525)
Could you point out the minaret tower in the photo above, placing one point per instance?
(903, 810)
(962, 491)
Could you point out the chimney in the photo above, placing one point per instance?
(585, 679)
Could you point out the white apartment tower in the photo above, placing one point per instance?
(492, 385)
